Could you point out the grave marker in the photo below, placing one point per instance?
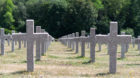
(113, 39)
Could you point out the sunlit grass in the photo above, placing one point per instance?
(60, 61)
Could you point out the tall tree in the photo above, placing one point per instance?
(8, 19)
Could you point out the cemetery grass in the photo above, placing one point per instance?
(60, 61)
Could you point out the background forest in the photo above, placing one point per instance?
(61, 17)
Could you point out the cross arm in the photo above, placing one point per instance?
(19, 36)
(40, 35)
(103, 39)
(123, 39)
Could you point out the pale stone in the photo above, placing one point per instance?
(13, 42)
(92, 44)
(30, 37)
(77, 42)
(112, 40)
(83, 44)
(38, 44)
(73, 42)
(3, 37)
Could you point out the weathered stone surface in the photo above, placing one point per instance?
(13, 42)
(112, 40)
(3, 37)
(92, 44)
(77, 42)
(38, 44)
(83, 44)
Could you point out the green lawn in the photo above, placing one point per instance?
(61, 62)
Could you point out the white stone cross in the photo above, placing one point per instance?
(113, 39)
(30, 36)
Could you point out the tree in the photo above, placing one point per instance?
(82, 15)
(8, 19)
(20, 10)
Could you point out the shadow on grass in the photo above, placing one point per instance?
(1, 74)
(1, 55)
(9, 52)
(87, 62)
(120, 58)
(20, 62)
(138, 55)
(71, 53)
(19, 72)
(98, 51)
(133, 64)
(69, 50)
(24, 61)
(52, 56)
(103, 74)
(77, 57)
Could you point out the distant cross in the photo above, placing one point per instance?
(3, 37)
(83, 39)
(77, 42)
(13, 42)
(38, 44)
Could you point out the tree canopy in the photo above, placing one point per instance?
(61, 17)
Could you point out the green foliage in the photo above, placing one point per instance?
(98, 4)
(20, 10)
(7, 15)
(61, 17)
(128, 31)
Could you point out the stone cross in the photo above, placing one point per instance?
(73, 42)
(42, 44)
(83, 40)
(8, 40)
(69, 41)
(92, 39)
(113, 39)
(25, 43)
(77, 42)
(19, 41)
(48, 42)
(13, 42)
(30, 36)
(38, 44)
(3, 37)
(133, 42)
(123, 47)
(137, 41)
(100, 46)
(88, 44)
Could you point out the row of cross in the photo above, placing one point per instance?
(41, 38)
(112, 40)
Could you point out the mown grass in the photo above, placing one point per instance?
(61, 62)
